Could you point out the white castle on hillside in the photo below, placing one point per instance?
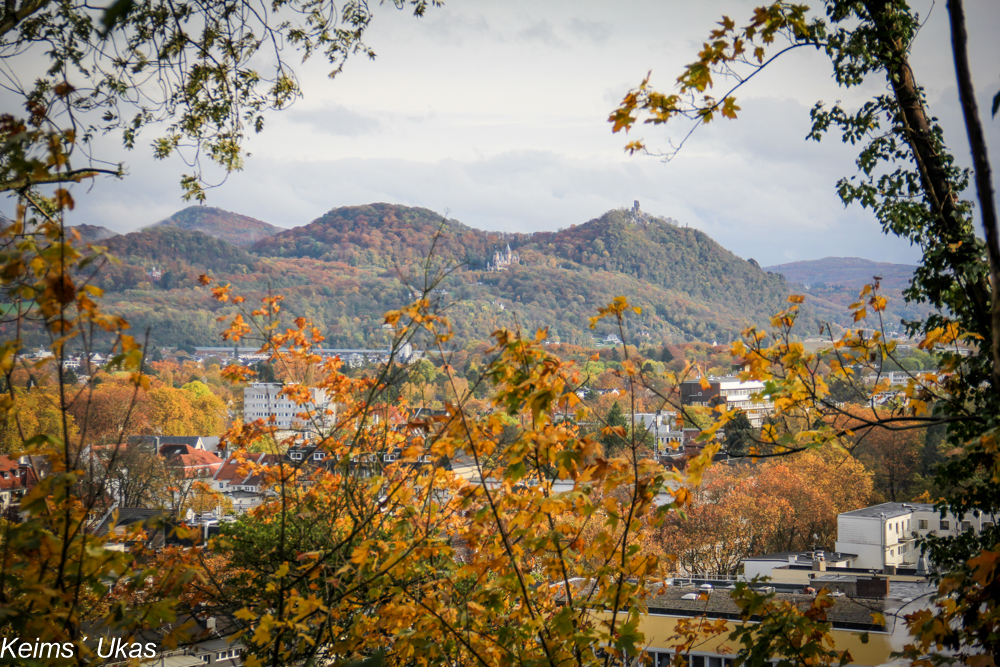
(502, 260)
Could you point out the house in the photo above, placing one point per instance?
(667, 440)
(731, 391)
(235, 474)
(16, 477)
(884, 536)
(194, 463)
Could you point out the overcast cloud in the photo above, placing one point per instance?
(496, 112)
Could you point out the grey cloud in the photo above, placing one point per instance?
(540, 32)
(448, 25)
(595, 31)
(337, 120)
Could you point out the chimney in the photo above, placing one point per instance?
(210, 623)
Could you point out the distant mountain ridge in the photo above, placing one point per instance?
(833, 283)
(235, 228)
(847, 271)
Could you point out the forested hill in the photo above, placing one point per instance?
(386, 235)
(340, 271)
(684, 261)
(661, 252)
(239, 230)
(179, 255)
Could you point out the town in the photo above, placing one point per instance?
(862, 546)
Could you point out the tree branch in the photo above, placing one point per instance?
(12, 18)
(74, 176)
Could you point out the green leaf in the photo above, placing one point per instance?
(116, 13)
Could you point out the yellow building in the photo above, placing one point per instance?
(851, 617)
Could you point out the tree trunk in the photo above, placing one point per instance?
(932, 169)
(981, 167)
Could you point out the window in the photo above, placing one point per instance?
(225, 655)
(389, 458)
(966, 525)
(295, 456)
(945, 525)
(922, 524)
(319, 456)
(891, 552)
(697, 661)
(902, 549)
(206, 658)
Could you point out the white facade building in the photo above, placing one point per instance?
(262, 400)
(663, 426)
(735, 393)
(885, 535)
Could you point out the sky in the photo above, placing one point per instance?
(496, 114)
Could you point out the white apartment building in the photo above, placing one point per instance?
(884, 536)
(736, 394)
(262, 400)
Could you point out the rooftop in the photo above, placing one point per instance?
(846, 612)
(806, 555)
(890, 510)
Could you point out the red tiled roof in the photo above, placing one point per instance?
(13, 476)
(190, 459)
(236, 472)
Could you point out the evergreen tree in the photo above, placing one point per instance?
(739, 435)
